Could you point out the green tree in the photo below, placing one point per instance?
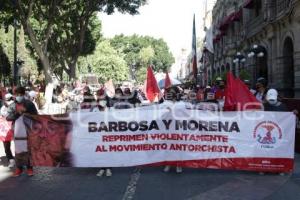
(29, 67)
(146, 55)
(141, 75)
(6, 41)
(40, 18)
(63, 54)
(105, 62)
(141, 51)
(5, 68)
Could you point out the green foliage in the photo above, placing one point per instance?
(141, 75)
(60, 31)
(6, 41)
(146, 55)
(5, 68)
(105, 62)
(142, 51)
(245, 75)
(29, 67)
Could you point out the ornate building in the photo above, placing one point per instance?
(258, 38)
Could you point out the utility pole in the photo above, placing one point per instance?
(15, 54)
(15, 74)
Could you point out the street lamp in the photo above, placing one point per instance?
(238, 59)
(15, 78)
(15, 74)
(19, 64)
(200, 78)
(257, 51)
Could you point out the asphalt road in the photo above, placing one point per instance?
(147, 183)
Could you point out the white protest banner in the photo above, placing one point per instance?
(256, 141)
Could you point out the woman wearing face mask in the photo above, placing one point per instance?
(272, 102)
(15, 111)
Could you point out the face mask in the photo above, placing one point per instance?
(272, 102)
(19, 99)
(102, 103)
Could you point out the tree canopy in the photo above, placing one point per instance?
(105, 62)
(141, 51)
(5, 68)
(51, 24)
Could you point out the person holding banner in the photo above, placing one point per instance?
(15, 111)
(104, 102)
(172, 96)
(272, 102)
(6, 127)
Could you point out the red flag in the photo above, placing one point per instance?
(152, 89)
(167, 81)
(246, 100)
(238, 97)
(230, 101)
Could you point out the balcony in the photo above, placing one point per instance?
(254, 25)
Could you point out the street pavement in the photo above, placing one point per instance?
(147, 183)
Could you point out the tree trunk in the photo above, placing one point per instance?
(72, 68)
(43, 57)
(24, 17)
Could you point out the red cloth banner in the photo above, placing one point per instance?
(6, 132)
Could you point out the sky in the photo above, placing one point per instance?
(171, 20)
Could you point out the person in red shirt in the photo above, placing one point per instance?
(220, 92)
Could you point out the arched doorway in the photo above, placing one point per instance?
(288, 68)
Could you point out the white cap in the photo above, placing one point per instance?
(32, 94)
(272, 94)
(8, 96)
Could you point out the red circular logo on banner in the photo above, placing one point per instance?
(267, 132)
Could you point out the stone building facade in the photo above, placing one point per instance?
(270, 30)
